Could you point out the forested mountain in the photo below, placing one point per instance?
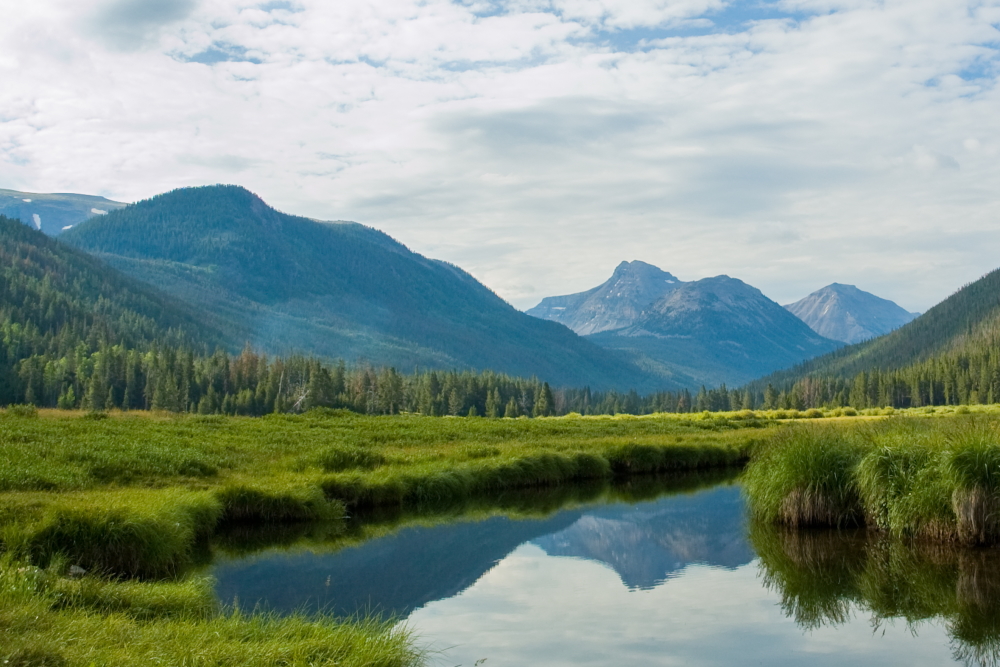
(717, 331)
(59, 305)
(948, 355)
(845, 313)
(53, 213)
(615, 304)
(289, 284)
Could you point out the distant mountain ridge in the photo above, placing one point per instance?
(848, 314)
(53, 213)
(289, 284)
(617, 303)
(717, 330)
(711, 331)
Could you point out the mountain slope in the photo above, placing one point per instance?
(966, 323)
(53, 213)
(717, 330)
(290, 284)
(615, 304)
(845, 313)
(55, 299)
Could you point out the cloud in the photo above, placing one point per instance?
(537, 143)
(132, 24)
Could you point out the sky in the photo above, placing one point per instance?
(538, 143)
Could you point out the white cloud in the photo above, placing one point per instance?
(539, 143)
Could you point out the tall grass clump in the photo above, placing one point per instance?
(900, 480)
(805, 477)
(972, 464)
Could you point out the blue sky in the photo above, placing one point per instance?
(538, 143)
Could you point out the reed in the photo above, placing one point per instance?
(928, 479)
(805, 477)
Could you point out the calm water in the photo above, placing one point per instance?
(678, 579)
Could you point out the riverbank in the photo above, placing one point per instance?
(130, 499)
(915, 478)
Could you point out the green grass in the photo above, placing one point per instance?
(935, 479)
(137, 499)
(49, 620)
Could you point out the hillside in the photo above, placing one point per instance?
(615, 304)
(289, 284)
(947, 355)
(848, 314)
(57, 302)
(717, 330)
(53, 213)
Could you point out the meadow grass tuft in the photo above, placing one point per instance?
(934, 479)
(805, 477)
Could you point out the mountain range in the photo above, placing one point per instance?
(218, 266)
(288, 284)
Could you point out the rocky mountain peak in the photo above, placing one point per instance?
(615, 304)
(848, 314)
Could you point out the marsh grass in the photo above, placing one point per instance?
(805, 477)
(46, 619)
(933, 479)
(135, 499)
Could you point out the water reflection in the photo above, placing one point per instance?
(655, 572)
(395, 562)
(822, 576)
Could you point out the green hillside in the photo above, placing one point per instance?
(291, 285)
(948, 355)
(57, 302)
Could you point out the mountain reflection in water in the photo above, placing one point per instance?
(644, 543)
(652, 573)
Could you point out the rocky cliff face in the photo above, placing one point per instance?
(616, 304)
(848, 314)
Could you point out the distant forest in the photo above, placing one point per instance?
(180, 380)
(76, 334)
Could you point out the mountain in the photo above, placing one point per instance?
(965, 326)
(845, 313)
(716, 330)
(289, 284)
(53, 213)
(617, 303)
(55, 299)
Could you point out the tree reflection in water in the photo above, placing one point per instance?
(826, 576)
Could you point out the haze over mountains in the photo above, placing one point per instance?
(850, 315)
(289, 284)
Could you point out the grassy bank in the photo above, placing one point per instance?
(49, 620)
(935, 479)
(825, 577)
(135, 499)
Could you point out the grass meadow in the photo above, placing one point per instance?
(103, 516)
